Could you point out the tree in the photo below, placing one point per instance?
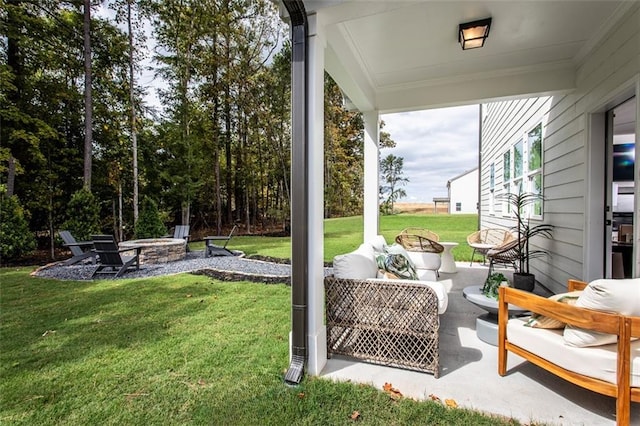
(88, 104)
(83, 215)
(344, 155)
(391, 171)
(15, 236)
(149, 225)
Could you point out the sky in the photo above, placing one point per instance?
(436, 145)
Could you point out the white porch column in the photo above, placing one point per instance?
(371, 173)
(317, 332)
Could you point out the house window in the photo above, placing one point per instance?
(506, 178)
(523, 170)
(458, 207)
(492, 185)
(534, 142)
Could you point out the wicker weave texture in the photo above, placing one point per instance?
(383, 322)
(419, 239)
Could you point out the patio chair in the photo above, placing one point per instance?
(419, 239)
(505, 254)
(80, 250)
(110, 259)
(180, 231)
(210, 249)
(485, 239)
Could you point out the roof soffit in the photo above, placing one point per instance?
(397, 46)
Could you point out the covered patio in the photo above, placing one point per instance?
(400, 56)
(469, 372)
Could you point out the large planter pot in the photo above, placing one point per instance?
(523, 281)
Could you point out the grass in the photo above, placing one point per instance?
(182, 349)
(345, 234)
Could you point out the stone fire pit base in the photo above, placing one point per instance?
(158, 250)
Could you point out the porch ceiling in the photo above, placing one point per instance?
(404, 55)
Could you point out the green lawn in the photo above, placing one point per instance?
(182, 349)
(345, 234)
(171, 350)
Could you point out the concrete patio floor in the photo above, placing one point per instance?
(468, 373)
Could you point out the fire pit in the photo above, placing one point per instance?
(158, 250)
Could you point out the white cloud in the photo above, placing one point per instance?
(436, 145)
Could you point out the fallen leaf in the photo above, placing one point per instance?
(301, 395)
(391, 391)
(434, 398)
(201, 382)
(451, 403)
(355, 415)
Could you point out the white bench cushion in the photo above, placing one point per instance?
(598, 361)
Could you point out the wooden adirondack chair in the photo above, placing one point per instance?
(210, 249)
(180, 231)
(80, 250)
(111, 261)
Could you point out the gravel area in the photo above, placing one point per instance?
(227, 268)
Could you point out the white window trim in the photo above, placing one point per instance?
(527, 176)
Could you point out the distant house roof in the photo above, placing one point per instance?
(440, 199)
(460, 175)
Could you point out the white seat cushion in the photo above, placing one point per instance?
(424, 260)
(598, 362)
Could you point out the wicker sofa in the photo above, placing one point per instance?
(393, 322)
(596, 349)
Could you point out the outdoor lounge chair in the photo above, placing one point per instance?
(80, 250)
(110, 259)
(419, 239)
(505, 254)
(210, 249)
(485, 239)
(180, 231)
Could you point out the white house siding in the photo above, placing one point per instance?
(463, 189)
(573, 158)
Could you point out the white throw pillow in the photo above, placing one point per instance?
(621, 296)
(378, 243)
(359, 264)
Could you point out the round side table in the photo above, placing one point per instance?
(448, 263)
(487, 324)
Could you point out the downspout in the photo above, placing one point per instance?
(479, 204)
(299, 185)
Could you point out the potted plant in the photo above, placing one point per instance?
(491, 284)
(525, 231)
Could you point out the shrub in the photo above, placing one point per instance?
(15, 237)
(149, 224)
(83, 215)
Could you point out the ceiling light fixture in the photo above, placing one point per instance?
(472, 35)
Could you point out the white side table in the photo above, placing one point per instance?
(448, 263)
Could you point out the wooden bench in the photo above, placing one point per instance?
(529, 341)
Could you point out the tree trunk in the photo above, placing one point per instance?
(88, 103)
(120, 219)
(134, 134)
(11, 175)
(15, 64)
(186, 213)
